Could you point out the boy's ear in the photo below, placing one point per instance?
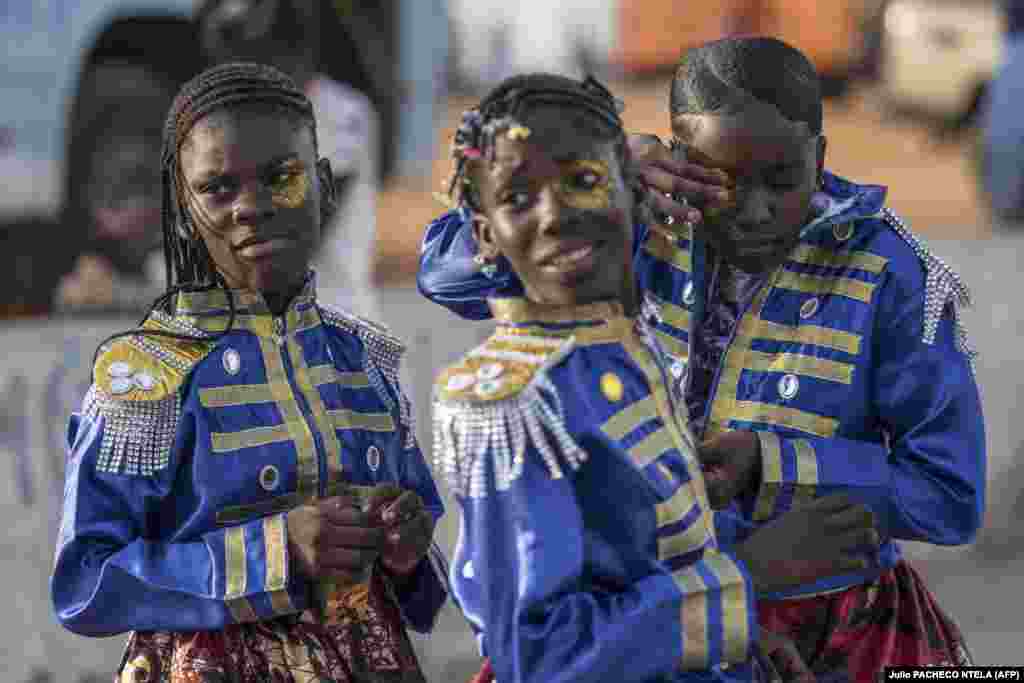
(484, 236)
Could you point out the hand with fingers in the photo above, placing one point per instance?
(731, 463)
(334, 538)
(679, 189)
(408, 527)
(826, 537)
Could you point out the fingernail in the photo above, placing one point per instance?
(724, 196)
(395, 537)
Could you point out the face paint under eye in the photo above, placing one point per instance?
(597, 195)
(289, 189)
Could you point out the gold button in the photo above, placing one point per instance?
(611, 387)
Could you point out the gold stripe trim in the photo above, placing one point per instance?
(234, 562)
(235, 395)
(821, 285)
(810, 334)
(771, 475)
(332, 446)
(307, 467)
(350, 419)
(629, 418)
(673, 511)
(800, 364)
(274, 551)
(673, 345)
(767, 413)
(225, 442)
(676, 316)
(304, 320)
(694, 618)
(242, 610)
(665, 250)
(806, 471)
(327, 374)
(216, 300)
(652, 445)
(860, 260)
(735, 615)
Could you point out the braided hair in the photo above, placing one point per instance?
(226, 86)
(723, 76)
(496, 114)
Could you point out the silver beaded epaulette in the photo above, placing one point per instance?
(383, 360)
(942, 286)
(137, 435)
(477, 443)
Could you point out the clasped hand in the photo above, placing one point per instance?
(336, 537)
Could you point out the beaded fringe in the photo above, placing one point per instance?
(137, 435)
(942, 286)
(384, 356)
(477, 443)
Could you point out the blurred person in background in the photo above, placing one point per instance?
(1003, 170)
(308, 41)
(110, 214)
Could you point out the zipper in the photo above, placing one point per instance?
(281, 337)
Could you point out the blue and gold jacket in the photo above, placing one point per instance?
(587, 548)
(187, 455)
(851, 363)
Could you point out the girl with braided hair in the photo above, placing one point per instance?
(587, 549)
(244, 490)
(817, 340)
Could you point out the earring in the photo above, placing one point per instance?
(487, 268)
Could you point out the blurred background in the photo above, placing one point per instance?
(922, 98)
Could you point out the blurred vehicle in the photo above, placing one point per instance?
(939, 56)
(837, 36)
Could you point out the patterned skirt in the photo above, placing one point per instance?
(367, 643)
(850, 635)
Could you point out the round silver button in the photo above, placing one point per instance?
(460, 382)
(788, 386)
(121, 385)
(232, 361)
(467, 570)
(120, 369)
(488, 387)
(843, 231)
(688, 293)
(373, 458)
(269, 477)
(144, 381)
(809, 307)
(490, 371)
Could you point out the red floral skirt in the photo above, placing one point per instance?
(366, 644)
(852, 634)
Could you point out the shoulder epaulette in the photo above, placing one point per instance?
(384, 353)
(943, 287)
(489, 405)
(136, 386)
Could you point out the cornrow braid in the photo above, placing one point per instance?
(474, 138)
(187, 262)
(722, 76)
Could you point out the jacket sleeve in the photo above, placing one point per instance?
(523, 577)
(115, 571)
(928, 482)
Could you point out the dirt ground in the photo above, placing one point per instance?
(931, 183)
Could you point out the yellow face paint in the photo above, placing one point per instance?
(585, 185)
(518, 133)
(289, 186)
